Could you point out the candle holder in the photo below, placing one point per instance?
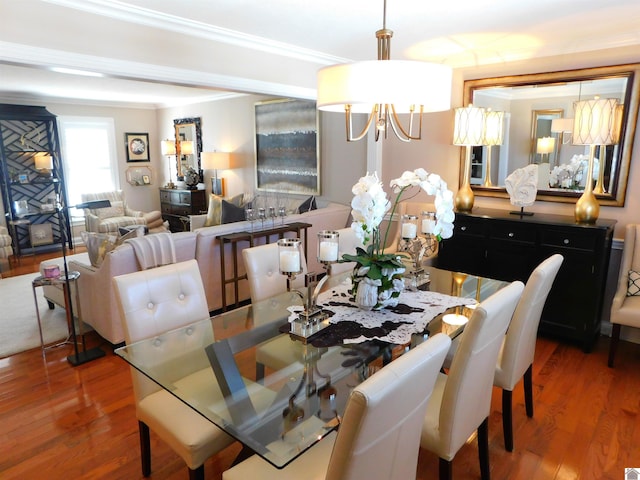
(415, 247)
(312, 319)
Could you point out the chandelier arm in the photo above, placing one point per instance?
(364, 131)
(398, 129)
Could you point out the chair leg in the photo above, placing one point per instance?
(197, 474)
(528, 391)
(483, 449)
(145, 448)
(613, 346)
(445, 469)
(507, 419)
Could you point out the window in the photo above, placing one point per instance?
(89, 155)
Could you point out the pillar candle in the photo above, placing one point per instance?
(328, 252)
(428, 225)
(290, 261)
(408, 230)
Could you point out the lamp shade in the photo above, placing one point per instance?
(617, 123)
(493, 128)
(545, 145)
(562, 125)
(168, 147)
(215, 160)
(186, 147)
(594, 122)
(468, 126)
(44, 162)
(400, 83)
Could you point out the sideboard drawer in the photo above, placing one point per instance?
(569, 238)
(522, 234)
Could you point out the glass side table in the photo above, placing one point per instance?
(42, 281)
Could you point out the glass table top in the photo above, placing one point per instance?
(274, 393)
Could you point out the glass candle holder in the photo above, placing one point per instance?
(282, 212)
(289, 255)
(272, 216)
(328, 246)
(409, 227)
(427, 223)
(262, 214)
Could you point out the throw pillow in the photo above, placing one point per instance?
(231, 213)
(115, 210)
(215, 208)
(137, 230)
(237, 200)
(633, 285)
(98, 245)
(308, 205)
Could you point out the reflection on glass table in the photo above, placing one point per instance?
(211, 366)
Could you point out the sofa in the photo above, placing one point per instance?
(97, 298)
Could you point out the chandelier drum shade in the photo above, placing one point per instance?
(383, 89)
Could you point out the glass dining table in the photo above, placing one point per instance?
(279, 395)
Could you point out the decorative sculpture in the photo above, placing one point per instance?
(522, 186)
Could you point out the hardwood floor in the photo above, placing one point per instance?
(59, 421)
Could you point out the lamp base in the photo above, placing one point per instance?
(85, 356)
(217, 186)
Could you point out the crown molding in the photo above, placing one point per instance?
(152, 18)
(37, 57)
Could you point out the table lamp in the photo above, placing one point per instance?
(215, 161)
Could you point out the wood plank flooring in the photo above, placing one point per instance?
(61, 422)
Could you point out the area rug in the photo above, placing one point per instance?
(18, 321)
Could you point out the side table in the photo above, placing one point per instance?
(42, 281)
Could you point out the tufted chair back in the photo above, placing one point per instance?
(262, 265)
(157, 300)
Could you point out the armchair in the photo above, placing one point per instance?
(110, 219)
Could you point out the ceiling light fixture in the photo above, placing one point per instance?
(383, 89)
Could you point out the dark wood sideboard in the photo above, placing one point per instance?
(497, 244)
(176, 206)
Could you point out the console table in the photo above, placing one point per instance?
(497, 244)
(250, 237)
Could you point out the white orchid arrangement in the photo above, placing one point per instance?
(369, 206)
(570, 175)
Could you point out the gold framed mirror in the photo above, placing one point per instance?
(531, 103)
(188, 135)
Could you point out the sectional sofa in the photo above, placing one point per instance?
(98, 306)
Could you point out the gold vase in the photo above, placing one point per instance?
(464, 197)
(587, 207)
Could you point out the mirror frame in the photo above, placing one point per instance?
(180, 122)
(627, 134)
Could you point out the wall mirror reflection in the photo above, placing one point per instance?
(537, 128)
(188, 144)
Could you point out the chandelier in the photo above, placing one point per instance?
(385, 88)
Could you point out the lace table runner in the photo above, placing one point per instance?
(394, 325)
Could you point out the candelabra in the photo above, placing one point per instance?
(416, 246)
(312, 319)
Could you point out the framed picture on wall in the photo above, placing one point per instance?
(287, 157)
(137, 147)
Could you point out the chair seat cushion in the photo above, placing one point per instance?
(190, 435)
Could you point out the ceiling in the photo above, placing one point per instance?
(297, 37)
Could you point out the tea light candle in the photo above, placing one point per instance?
(328, 252)
(289, 261)
(409, 230)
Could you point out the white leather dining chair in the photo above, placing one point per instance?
(380, 431)
(152, 302)
(515, 360)
(625, 307)
(461, 401)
